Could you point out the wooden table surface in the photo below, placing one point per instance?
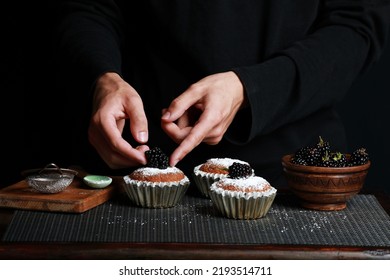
(41, 250)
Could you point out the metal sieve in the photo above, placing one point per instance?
(50, 179)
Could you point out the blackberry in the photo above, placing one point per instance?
(156, 158)
(301, 153)
(308, 154)
(359, 157)
(326, 160)
(239, 170)
(323, 146)
(298, 160)
(333, 159)
(312, 156)
(338, 159)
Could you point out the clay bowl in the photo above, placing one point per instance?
(324, 188)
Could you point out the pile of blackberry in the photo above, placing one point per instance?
(239, 170)
(320, 154)
(156, 158)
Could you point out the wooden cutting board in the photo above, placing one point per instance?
(76, 198)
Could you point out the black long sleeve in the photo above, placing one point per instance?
(316, 71)
(88, 37)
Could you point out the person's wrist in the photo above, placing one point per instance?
(240, 89)
(108, 78)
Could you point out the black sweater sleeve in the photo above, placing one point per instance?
(88, 38)
(316, 71)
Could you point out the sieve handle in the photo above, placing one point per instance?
(49, 167)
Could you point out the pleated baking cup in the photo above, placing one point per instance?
(155, 195)
(240, 207)
(204, 180)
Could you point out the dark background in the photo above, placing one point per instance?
(37, 121)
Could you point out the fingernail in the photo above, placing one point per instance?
(143, 136)
(166, 115)
(172, 162)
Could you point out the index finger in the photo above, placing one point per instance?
(194, 137)
(117, 143)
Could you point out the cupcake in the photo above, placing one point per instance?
(238, 197)
(156, 185)
(214, 169)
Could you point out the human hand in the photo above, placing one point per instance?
(114, 102)
(203, 113)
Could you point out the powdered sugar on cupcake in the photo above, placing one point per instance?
(226, 162)
(157, 175)
(150, 171)
(253, 186)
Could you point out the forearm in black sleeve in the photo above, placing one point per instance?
(316, 71)
(88, 38)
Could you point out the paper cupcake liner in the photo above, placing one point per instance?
(145, 194)
(242, 208)
(204, 180)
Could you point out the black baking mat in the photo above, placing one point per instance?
(363, 223)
